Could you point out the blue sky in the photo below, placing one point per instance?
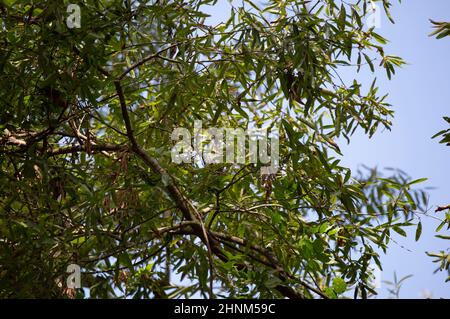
(420, 95)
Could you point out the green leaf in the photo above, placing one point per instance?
(418, 230)
(330, 293)
(443, 237)
(399, 230)
(417, 181)
(124, 259)
(339, 285)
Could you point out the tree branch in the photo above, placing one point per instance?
(196, 226)
(145, 60)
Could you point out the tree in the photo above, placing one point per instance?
(87, 175)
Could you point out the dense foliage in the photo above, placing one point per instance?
(87, 177)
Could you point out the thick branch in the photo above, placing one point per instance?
(273, 262)
(196, 226)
